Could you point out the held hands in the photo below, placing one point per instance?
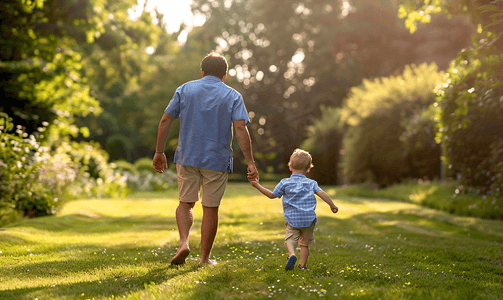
(160, 163)
(252, 173)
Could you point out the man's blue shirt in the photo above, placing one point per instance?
(299, 202)
(207, 109)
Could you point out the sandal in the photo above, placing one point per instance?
(291, 262)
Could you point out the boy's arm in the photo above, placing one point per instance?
(325, 197)
(262, 189)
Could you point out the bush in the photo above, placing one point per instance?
(97, 178)
(148, 181)
(390, 129)
(323, 142)
(123, 166)
(144, 164)
(470, 117)
(35, 181)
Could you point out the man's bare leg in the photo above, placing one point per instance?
(184, 220)
(208, 232)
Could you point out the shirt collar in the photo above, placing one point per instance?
(212, 78)
(298, 175)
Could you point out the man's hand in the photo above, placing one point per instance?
(160, 162)
(334, 209)
(252, 173)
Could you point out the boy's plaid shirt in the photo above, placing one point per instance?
(299, 202)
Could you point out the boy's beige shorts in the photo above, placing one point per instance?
(300, 236)
(191, 179)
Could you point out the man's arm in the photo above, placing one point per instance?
(325, 197)
(160, 163)
(244, 141)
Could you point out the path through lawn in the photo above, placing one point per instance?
(371, 249)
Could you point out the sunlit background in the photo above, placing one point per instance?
(175, 12)
(379, 91)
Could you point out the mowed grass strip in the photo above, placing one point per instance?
(371, 249)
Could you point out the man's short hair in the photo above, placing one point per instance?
(301, 160)
(214, 64)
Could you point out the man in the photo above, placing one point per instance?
(207, 109)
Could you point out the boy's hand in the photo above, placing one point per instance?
(334, 209)
(254, 182)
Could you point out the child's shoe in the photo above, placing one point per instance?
(303, 268)
(291, 262)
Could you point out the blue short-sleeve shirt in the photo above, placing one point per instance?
(207, 108)
(299, 202)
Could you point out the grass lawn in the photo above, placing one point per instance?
(373, 248)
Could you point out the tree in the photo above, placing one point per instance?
(289, 58)
(130, 70)
(40, 69)
(469, 108)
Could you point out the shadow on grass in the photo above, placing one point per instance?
(114, 271)
(114, 286)
(427, 243)
(101, 224)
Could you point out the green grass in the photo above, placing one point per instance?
(373, 248)
(443, 196)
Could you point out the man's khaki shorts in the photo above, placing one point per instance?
(300, 236)
(191, 179)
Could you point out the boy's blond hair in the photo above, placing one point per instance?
(301, 160)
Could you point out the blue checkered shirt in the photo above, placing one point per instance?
(299, 201)
(207, 108)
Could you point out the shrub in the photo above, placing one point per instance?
(144, 164)
(470, 117)
(123, 166)
(148, 181)
(390, 129)
(34, 181)
(97, 178)
(324, 141)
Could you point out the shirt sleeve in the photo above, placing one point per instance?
(316, 188)
(173, 108)
(239, 110)
(279, 190)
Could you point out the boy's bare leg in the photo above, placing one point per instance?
(184, 220)
(290, 247)
(209, 228)
(304, 254)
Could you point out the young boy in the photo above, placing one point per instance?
(299, 204)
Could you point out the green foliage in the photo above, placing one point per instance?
(324, 139)
(470, 116)
(390, 131)
(96, 176)
(449, 197)
(35, 181)
(469, 101)
(290, 58)
(32, 180)
(144, 164)
(124, 166)
(133, 86)
(483, 13)
(40, 66)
